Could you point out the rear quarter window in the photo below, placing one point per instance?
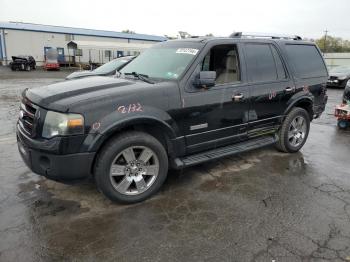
(306, 60)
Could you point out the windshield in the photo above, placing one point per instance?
(111, 66)
(340, 69)
(162, 62)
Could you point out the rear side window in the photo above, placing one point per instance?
(261, 63)
(306, 60)
(281, 72)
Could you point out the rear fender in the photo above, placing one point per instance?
(301, 99)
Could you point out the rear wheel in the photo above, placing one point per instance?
(131, 167)
(294, 131)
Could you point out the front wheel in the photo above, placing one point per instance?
(131, 167)
(294, 131)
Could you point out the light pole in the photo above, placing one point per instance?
(325, 41)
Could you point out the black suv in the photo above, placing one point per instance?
(178, 104)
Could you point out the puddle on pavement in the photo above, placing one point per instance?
(248, 176)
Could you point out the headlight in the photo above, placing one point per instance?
(59, 124)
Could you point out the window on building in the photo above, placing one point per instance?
(108, 53)
(78, 52)
(69, 37)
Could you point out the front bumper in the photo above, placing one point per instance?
(41, 158)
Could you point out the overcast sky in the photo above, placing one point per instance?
(308, 18)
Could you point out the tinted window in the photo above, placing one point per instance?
(260, 63)
(307, 61)
(281, 72)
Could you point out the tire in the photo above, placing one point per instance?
(292, 139)
(22, 67)
(28, 68)
(343, 124)
(130, 182)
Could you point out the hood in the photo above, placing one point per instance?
(62, 95)
(339, 75)
(79, 74)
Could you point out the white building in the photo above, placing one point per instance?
(337, 59)
(86, 45)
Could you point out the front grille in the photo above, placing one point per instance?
(333, 78)
(27, 117)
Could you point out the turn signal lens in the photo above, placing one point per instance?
(75, 123)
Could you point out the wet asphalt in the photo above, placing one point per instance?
(259, 206)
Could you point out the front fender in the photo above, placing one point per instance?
(115, 121)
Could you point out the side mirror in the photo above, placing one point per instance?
(205, 79)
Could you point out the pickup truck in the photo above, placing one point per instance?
(178, 104)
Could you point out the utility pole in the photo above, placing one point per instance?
(325, 41)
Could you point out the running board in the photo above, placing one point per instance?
(212, 154)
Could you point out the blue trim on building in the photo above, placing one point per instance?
(78, 31)
(0, 47)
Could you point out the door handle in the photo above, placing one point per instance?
(289, 89)
(237, 97)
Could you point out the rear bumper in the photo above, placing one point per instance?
(319, 108)
(52, 66)
(41, 161)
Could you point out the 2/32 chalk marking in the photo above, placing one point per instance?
(131, 108)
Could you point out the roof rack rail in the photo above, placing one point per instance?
(264, 35)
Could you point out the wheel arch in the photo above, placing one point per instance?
(302, 102)
(162, 131)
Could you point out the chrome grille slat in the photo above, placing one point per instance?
(27, 118)
(25, 130)
(24, 108)
(28, 123)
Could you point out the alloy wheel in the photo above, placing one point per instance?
(134, 170)
(297, 131)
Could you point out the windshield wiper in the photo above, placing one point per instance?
(142, 77)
